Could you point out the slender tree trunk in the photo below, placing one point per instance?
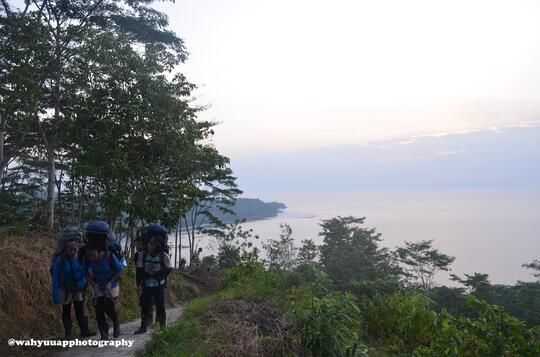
(51, 180)
(60, 203)
(176, 246)
(3, 122)
(51, 169)
(81, 202)
(72, 181)
(179, 242)
(112, 221)
(189, 240)
(129, 239)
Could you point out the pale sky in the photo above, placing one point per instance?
(302, 74)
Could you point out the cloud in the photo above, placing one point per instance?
(448, 152)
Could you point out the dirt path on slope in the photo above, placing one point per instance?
(127, 330)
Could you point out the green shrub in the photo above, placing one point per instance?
(252, 281)
(327, 323)
(493, 333)
(399, 322)
(371, 288)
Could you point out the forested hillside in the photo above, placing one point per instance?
(249, 209)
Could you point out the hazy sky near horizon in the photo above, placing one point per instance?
(292, 75)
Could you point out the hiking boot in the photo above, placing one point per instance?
(141, 329)
(88, 333)
(104, 333)
(85, 331)
(67, 330)
(116, 330)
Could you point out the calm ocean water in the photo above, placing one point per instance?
(488, 231)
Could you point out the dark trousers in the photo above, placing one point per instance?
(105, 305)
(149, 318)
(79, 315)
(157, 294)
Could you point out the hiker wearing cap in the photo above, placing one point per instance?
(69, 281)
(152, 268)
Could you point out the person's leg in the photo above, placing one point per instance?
(159, 300)
(110, 308)
(66, 319)
(82, 320)
(150, 318)
(101, 319)
(146, 300)
(146, 313)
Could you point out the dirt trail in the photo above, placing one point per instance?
(139, 341)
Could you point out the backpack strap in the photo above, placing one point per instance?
(62, 263)
(144, 273)
(109, 256)
(74, 280)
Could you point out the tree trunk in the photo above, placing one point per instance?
(60, 203)
(51, 183)
(81, 202)
(129, 239)
(72, 181)
(179, 241)
(3, 122)
(176, 246)
(189, 240)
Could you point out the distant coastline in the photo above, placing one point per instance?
(250, 209)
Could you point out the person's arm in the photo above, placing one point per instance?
(56, 280)
(117, 269)
(83, 281)
(88, 272)
(139, 269)
(165, 267)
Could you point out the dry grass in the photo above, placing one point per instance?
(25, 287)
(246, 328)
(26, 308)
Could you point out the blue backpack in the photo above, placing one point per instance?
(155, 230)
(100, 234)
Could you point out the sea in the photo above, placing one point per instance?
(491, 231)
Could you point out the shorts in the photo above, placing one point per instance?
(67, 298)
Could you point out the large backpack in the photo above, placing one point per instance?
(69, 235)
(155, 230)
(100, 234)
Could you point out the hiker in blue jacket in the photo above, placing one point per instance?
(104, 271)
(68, 285)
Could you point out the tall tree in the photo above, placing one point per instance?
(70, 25)
(281, 253)
(112, 120)
(421, 262)
(535, 266)
(477, 283)
(23, 57)
(352, 252)
(308, 252)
